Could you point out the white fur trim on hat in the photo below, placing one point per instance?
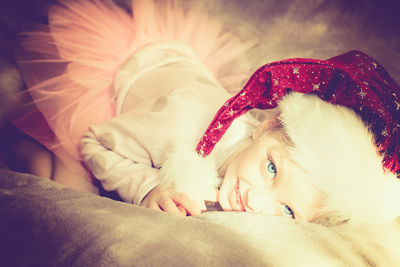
(335, 147)
(188, 172)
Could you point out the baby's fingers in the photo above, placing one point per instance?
(189, 204)
(166, 204)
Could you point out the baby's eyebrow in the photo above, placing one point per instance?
(278, 158)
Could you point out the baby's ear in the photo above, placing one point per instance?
(266, 125)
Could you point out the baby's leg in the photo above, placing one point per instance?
(30, 157)
(63, 175)
(23, 154)
(17, 150)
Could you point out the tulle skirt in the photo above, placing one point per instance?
(69, 65)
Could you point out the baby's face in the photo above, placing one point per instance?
(262, 178)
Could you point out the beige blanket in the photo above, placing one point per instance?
(45, 224)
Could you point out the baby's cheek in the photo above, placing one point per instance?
(245, 168)
(251, 174)
(261, 201)
(227, 183)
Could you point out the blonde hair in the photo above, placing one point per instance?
(236, 138)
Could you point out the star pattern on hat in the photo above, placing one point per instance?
(385, 133)
(362, 94)
(397, 105)
(315, 86)
(201, 150)
(219, 126)
(296, 70)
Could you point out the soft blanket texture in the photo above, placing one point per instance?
(45, 224)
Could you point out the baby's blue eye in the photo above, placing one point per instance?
(271, 168)
(288, 211)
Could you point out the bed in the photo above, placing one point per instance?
(43, 223)
(46, 224)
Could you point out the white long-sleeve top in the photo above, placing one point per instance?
(164, 96)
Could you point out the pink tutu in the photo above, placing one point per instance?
(70, 64)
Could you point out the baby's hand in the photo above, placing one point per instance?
(167, 199)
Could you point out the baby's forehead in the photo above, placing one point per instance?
(276, 137)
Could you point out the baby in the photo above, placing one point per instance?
(320, 143)
(341, 129)
(298, 160)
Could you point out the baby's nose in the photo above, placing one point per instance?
(260, 201)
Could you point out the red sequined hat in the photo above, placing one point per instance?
(353, 80)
